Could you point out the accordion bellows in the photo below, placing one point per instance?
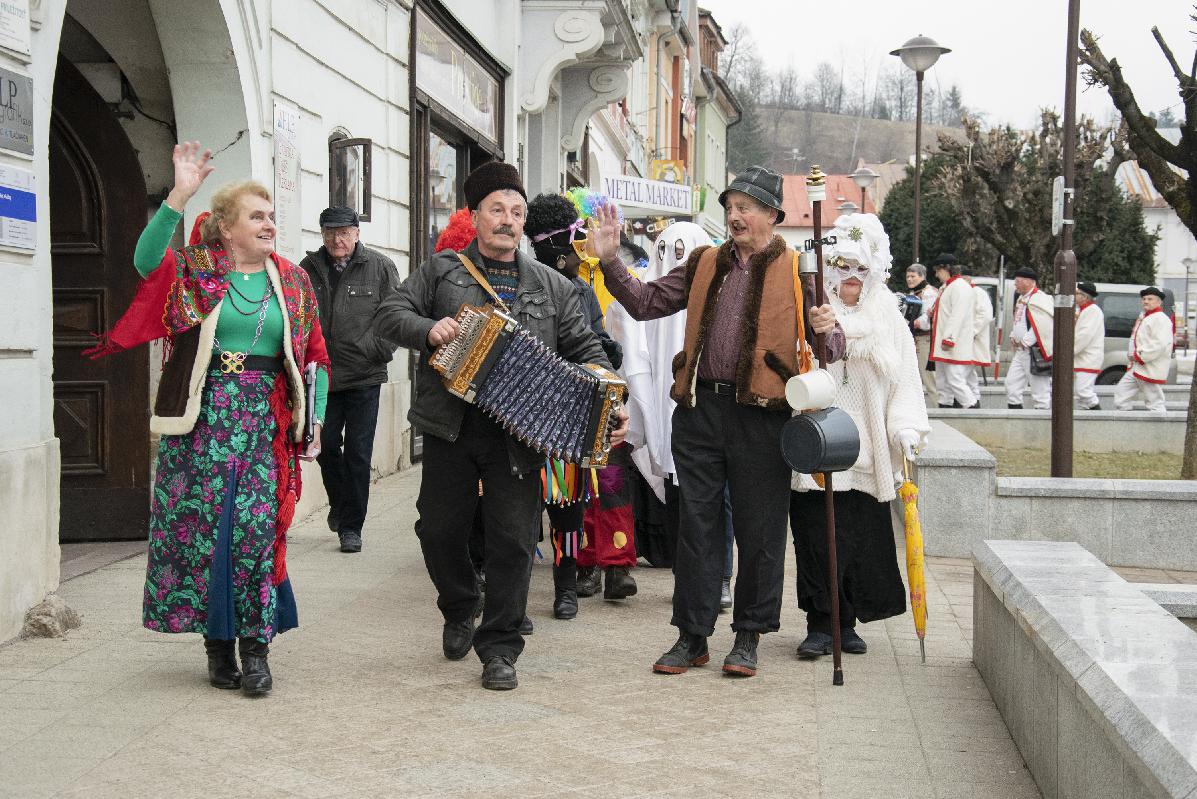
(560, 409)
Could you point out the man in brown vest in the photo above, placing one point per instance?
(741, 345)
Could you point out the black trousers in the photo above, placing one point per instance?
(346, 446)
(870, 584)
(722, 443)
(511, 506)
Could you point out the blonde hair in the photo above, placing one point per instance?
(226, 205)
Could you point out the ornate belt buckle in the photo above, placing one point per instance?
(232, 362)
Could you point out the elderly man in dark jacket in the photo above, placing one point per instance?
(461, 444)
(350, 281)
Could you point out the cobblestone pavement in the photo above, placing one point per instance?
(364, 703)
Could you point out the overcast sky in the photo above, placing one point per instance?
(1007, 58)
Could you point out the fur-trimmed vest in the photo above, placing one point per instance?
(769, 326)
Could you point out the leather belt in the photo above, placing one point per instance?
(719, 387)
(236, 363)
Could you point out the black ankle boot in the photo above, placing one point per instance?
(589, 580)
(565, 593)
(222, 663)
(255, 678)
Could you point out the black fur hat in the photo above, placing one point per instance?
(491, 176)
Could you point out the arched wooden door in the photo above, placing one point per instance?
(101, 407)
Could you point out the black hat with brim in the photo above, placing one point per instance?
(1087, 288)
(944, 259)
(339, 216)
(1151, 291)
(761, 184)
(1027, 272)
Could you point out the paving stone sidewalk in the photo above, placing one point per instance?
(364, 703)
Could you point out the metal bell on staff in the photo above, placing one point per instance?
(821, 439)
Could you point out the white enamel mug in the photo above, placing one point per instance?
(814, 390)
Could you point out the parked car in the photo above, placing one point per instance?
(1121, 304)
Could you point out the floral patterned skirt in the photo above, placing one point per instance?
(213, 518)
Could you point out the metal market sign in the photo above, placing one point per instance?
(651, 195)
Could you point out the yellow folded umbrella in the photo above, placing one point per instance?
(915, 563)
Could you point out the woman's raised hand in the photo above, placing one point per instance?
(191, 169)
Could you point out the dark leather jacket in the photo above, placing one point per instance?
(546, 303)
(359, 356)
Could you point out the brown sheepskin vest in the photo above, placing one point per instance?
(769, 327)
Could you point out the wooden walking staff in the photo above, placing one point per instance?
(816, 192)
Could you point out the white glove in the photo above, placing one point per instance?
(908, 439)
(922, 323)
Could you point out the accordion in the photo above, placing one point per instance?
(560, 409)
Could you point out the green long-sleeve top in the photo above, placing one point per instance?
(243, 302)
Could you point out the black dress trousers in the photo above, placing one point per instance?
(721, 443)
(346, 447)
(511, 507)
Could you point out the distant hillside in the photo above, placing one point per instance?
(836, 142)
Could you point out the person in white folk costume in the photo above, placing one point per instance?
(1149, 353)
(879, 386)
(1031, 337)
(982, 351)
(952, 335)
(1089, 346)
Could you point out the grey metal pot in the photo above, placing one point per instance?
(820, 441)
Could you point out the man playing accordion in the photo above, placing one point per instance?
(461, 444)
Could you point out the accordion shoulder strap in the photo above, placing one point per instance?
(481, 278)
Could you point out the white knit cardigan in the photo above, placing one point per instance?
(883, 392)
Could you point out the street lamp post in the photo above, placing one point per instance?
(1064, 333)
(864, 178)
(919, 55)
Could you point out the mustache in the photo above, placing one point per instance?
(504, 230)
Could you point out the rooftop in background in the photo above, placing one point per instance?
(840, 189)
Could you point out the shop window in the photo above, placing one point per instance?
(349, 174)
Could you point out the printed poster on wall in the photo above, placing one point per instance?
(14, 25)
(16, 112)
(18, 208)
(287, 211)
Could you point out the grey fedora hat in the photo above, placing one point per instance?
(761, 184)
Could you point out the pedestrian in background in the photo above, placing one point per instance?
(920, 328)
(982, 350)
(1148, 353)
(1031, 339)
(1089, 346)
(952, 335)
(351, 281)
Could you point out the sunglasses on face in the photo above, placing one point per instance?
(846, 269)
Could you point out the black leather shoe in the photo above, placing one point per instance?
(976, 406)
(814, 645)
(589, 581)
(457, 638)
(255, 671)
(619, 584)
(852, 643)
(351, 541)
(741, 660)
(526, 627)
(1096, 407)
(945, 405)
(334, 522)
(1014, 406)
(498, 674)
(222, 663)
(690, 650)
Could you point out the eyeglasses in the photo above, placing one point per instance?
(845, 268)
